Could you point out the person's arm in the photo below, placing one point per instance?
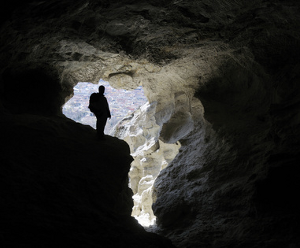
(107, 107)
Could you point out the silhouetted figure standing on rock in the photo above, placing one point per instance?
(99, 106)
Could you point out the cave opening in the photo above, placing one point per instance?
(133, 120)
(121, 102)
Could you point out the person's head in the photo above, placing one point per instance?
(101, 89)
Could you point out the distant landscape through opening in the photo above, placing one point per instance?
(121, 103)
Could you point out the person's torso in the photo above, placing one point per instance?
(99, 103)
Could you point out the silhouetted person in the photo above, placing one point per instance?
(99, 106)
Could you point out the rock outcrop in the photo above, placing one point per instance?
(225, 78)
(61, 187)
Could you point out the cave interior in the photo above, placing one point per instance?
(225, 80)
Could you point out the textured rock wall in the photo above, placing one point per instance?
(150, 155)
(213, 178)
(225, 79)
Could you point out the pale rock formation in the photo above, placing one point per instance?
(150, 155)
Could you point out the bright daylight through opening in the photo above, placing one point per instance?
(121, 103)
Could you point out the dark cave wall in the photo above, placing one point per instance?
(33, 91)
(236, 176)
(231, 178)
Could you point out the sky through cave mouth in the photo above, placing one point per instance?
(121, 103)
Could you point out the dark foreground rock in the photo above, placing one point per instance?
(61, 187)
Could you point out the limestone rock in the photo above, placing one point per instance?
(150, 155)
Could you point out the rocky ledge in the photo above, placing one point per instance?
(61, 187)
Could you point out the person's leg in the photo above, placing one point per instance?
(101, 122)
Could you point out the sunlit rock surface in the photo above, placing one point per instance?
(228, 69)
(150, 156)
